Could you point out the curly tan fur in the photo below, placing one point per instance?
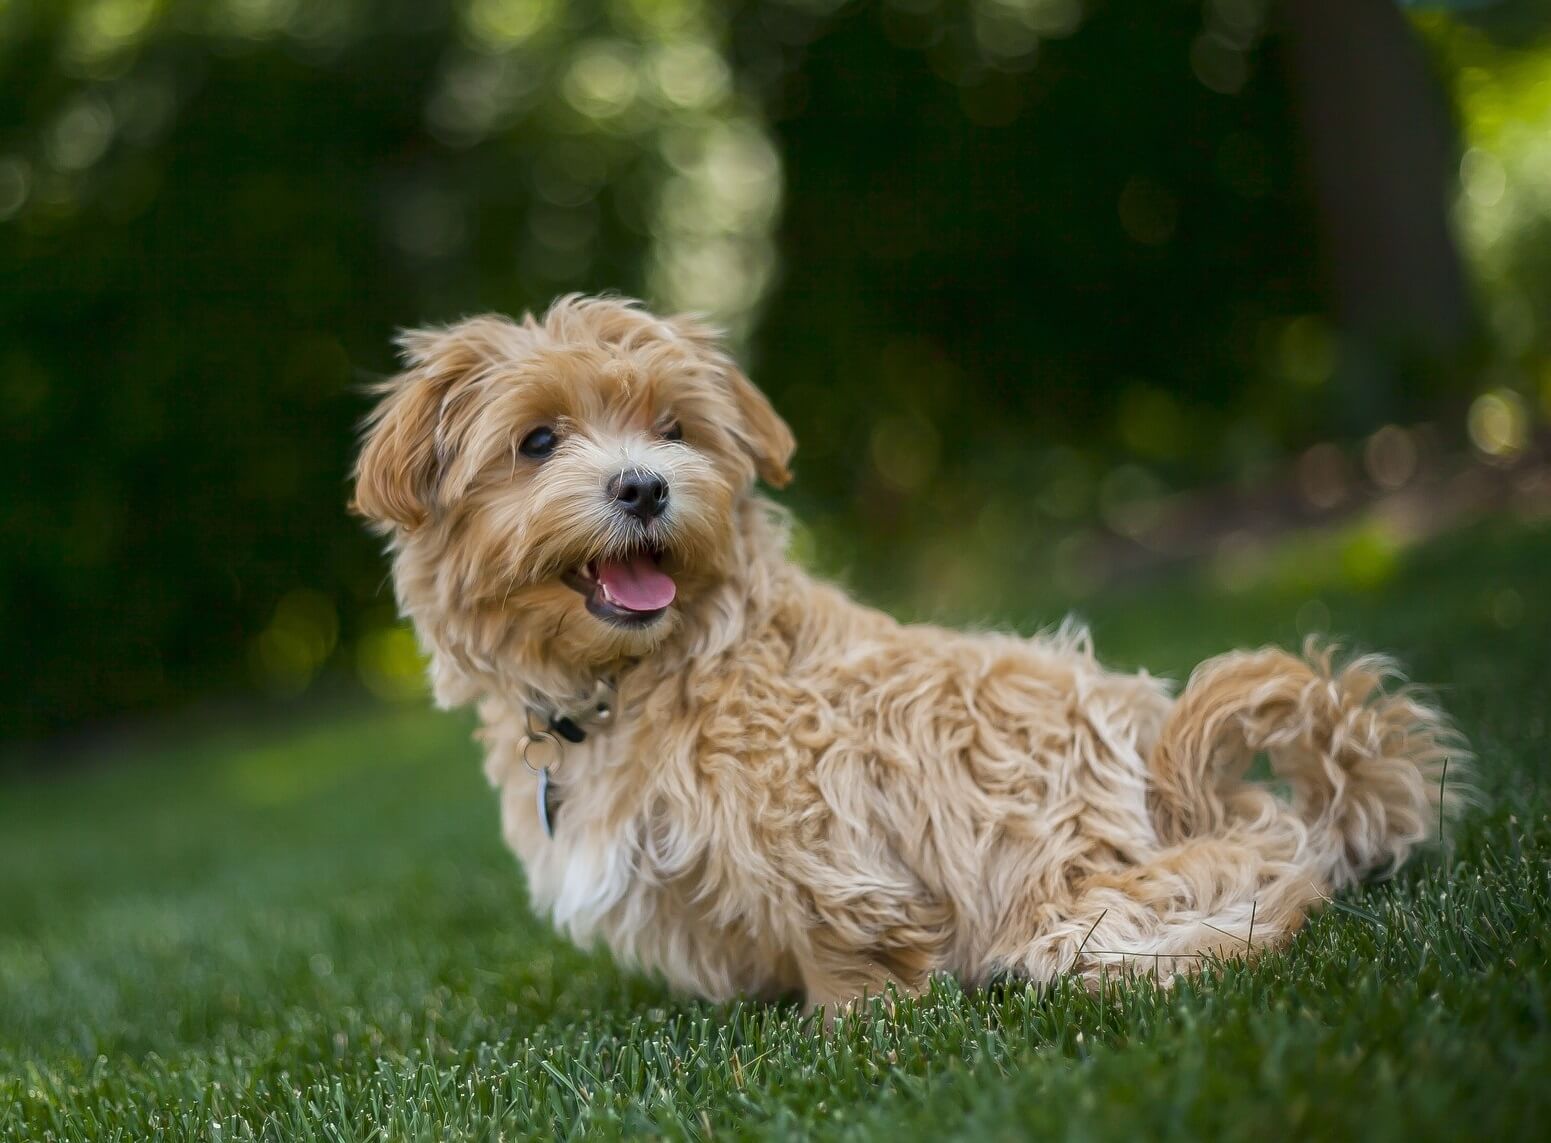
(800, 793)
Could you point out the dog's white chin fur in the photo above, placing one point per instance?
(798, 793)
(803, 795)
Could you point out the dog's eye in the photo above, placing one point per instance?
(674, 432)
(539, 443)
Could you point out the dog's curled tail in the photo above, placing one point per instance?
(1364, 759)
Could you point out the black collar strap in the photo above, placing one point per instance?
(566, 728)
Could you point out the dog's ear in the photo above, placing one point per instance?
(402, 453)
(764, 435)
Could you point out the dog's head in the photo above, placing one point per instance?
(579, 474)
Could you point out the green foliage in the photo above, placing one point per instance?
(214, 214)
(1502, 93)
(316, 934)
(986, 252)
(1008, 266)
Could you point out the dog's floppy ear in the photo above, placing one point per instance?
(761, 431)
(767, 437)
(399, 468)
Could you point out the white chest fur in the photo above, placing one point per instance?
(599, 879)
(584, 872)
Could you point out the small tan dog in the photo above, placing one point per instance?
(793, 791)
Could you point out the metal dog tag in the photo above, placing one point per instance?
(545, 808)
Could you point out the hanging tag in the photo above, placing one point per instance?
(546, 803)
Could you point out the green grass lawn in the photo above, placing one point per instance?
(311, 930)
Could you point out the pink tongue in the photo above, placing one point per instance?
(637, 583)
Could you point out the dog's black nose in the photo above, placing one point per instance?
(641, 493)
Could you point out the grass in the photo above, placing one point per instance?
(313, 932)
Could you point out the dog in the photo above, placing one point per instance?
(740, 779)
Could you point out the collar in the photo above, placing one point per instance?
(549, 728)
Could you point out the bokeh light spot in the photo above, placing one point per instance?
(1238, 562)
(1306, 351)
(15, 183)
(1130, 500)
(690, 75)
(254, 19)
(1324, 477)
(102, 31)
(601, 81)
(299, 639)
(390, 664)
(81, 135)
(1051, 19)
(1000, 34)
(1238, 20)
(1482, 175)
(1370, 557)
(475, 94)
(503, 24)
(1498, 424)
(1390, 457)
(1217, 64)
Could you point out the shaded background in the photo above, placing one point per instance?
(1054, 292)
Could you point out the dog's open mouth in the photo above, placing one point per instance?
(629, 590)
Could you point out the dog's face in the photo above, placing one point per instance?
(578, 474)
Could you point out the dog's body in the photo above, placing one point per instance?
(796, 792)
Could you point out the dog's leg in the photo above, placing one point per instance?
(837, 979)
(837, 990)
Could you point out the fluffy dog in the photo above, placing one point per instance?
(796, 792)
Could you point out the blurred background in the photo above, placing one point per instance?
(1057, 294)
